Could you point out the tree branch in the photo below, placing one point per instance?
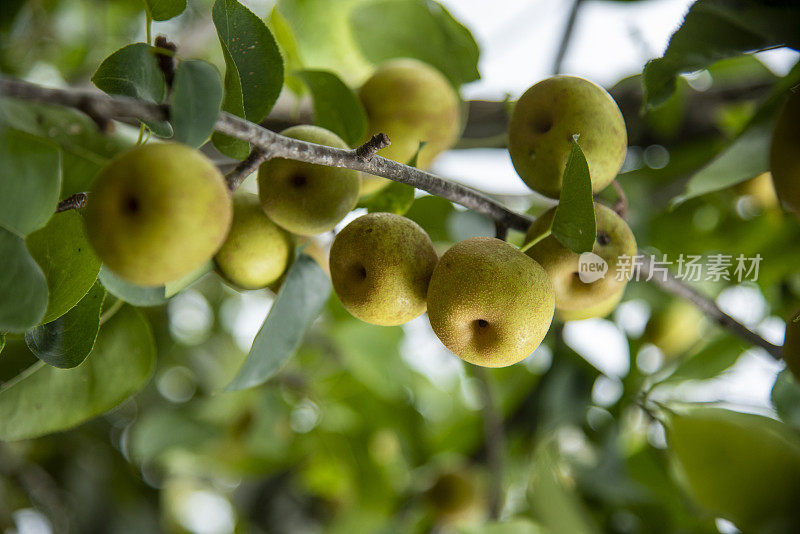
(245, 168)
(570, 26)
(72, 202)
(670, 284)
(104, 108)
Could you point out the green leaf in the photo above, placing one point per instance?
(46, 399)
(574, 224)
(2, 341)
(30, 180)
(420, 29)
(322, 37)
(714, 30)
(555, 505)
(432, 213)
(742, 467)
(133, 71)
(194, 102)
(68, 340)
(252, 57)
(748, 155)
(23, 287)
(69, 264)
(300, 299)
(785, 398)
(129, 292)
(336, 106)
(394, 198)
(164, 9)
(174, 287)
(709, 362)
(84, 149)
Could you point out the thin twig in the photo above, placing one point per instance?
(666, 281)
(495, 441)
(368, 149)
(245, 168)
(500, 230)
(72, 202)
(567, 35)
(106, 108)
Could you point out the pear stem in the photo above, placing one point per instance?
(102, 109)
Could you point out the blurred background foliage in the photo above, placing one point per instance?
(374, 429)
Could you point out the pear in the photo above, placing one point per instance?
(158, 212)
(739, 466)
(760, 190)
(256, 251)
(489, 303)
(676, 328)
(543, 122)
(380, 266)
(784, 159)
(305, 198)
(614, 239)
(457, 496)
(791, 344)
(410, 101)
(601, 309)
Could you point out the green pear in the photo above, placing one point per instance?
(601, 309)
(614, 239)
(256, 251)
(743, 467)
(489, 303)
(411, 102)
(791, 344)
(380, 267)
(305, 198)
(543, 122)
(158, 212)
(676, 328)
(784, 158)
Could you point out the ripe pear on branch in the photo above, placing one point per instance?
(158, 212)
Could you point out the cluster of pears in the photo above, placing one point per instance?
(162, 210)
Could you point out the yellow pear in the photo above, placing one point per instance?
(304, 198)
(601, 309)
(489, 303)
(676, 328)
(158, 212)
(256, 251)
(380, 266)
(614, 239)
(410, 101)
(784, 158)
(543, 122)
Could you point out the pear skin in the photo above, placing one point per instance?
(305, 198)
(543, 122)
(256, 251)
(489, 303)
(158, 212)
(614, 239)
(380, 266)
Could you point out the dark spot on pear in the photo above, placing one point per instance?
(298, 180)
(542, 125)
(603, 238)
(481, 323)
(130, 205)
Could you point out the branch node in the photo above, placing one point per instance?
(245, 168)
(368, 149)
(72, 202)
(621, 205)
